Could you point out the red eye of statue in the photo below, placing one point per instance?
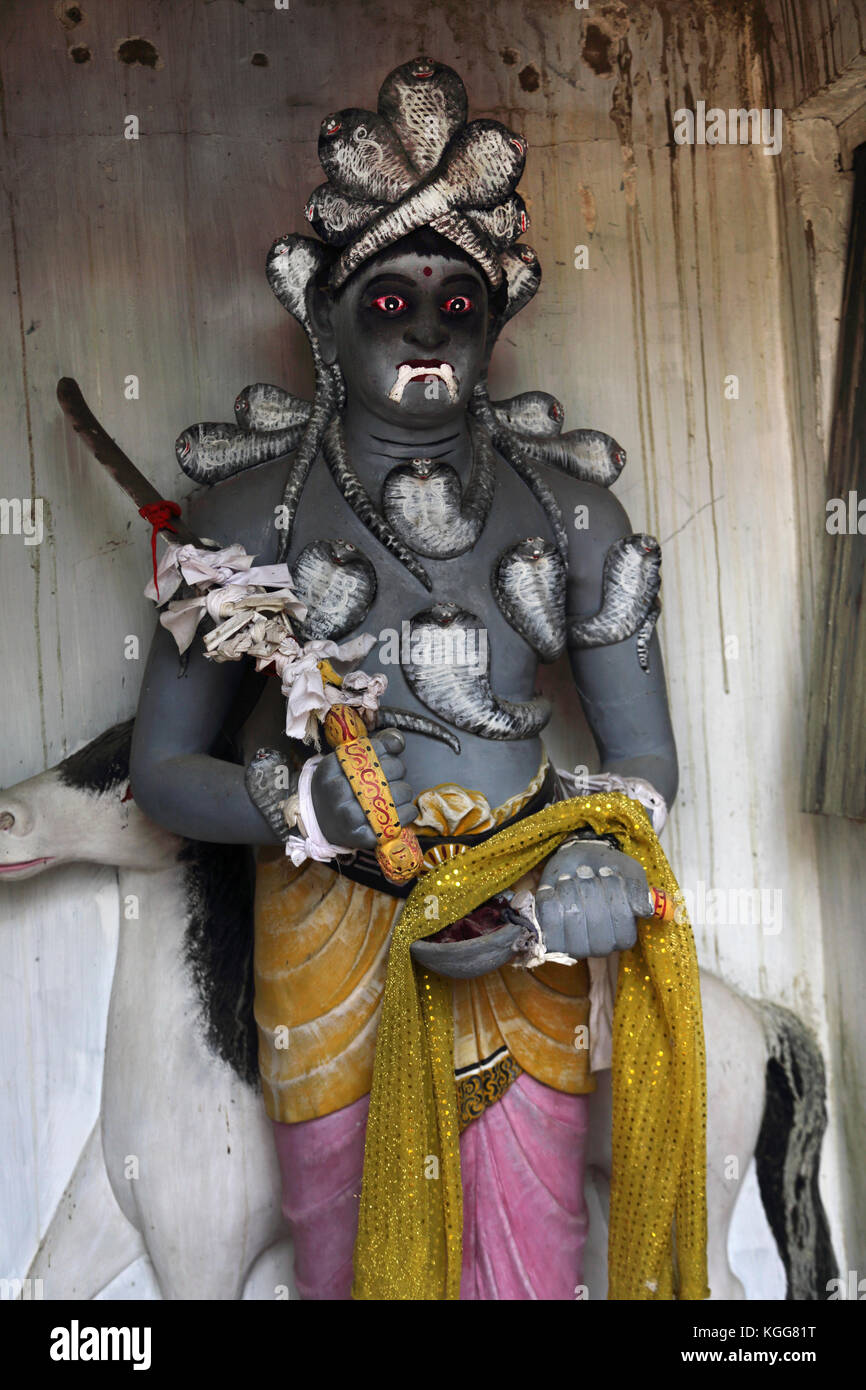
(458, 304)
(390, 304)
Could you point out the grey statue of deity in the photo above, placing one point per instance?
(459, 541)
(405, 501)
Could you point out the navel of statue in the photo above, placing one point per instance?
(422, 502)
(630, 603)
(447, 672)
(338, 585)
(529, 585)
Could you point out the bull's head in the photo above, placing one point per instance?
(81, 811)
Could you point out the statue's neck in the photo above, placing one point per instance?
(375, 446)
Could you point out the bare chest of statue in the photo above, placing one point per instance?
(461, 614)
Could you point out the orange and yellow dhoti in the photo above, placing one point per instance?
(321, 955)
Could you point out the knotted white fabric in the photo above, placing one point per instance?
(252, 605)
(231, 590)
(211, 567)
(309, 697)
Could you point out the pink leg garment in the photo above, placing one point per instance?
(524, 1217)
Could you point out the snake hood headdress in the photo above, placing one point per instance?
(416, 162)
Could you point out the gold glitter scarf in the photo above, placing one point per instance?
(410, 1226)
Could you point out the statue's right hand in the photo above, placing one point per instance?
(340, 817)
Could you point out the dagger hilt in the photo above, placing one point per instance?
(398, 852)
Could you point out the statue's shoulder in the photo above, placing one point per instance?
(594, 518)
(242, 508)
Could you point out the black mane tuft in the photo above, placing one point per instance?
(218, 948)
(102, 764)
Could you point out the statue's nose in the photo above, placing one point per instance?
(426, 331)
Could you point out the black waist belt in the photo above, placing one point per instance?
(364, 868)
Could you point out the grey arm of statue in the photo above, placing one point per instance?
(185, 701)
(590, 895)
(174, 780)
(627, 711)
(180, 786)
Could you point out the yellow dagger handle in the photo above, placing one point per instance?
(398, 851)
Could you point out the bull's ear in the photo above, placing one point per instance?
(321, 309)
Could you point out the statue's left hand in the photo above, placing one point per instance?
(588, 899)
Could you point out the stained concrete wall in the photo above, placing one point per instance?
(145, 257)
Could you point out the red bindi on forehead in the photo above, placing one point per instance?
(428, 270)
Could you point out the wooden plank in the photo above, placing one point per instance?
(835, 761)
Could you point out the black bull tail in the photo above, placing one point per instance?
(788, 1153)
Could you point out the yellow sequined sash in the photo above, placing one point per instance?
(409, 1232)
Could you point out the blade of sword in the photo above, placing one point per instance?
(111, 456)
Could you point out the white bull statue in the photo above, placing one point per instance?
(181, 1165)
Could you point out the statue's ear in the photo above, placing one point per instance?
(320, 307)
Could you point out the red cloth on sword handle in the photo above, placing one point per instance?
(159, 514)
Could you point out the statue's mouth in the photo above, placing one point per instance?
(420, 368)
(24, 864)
